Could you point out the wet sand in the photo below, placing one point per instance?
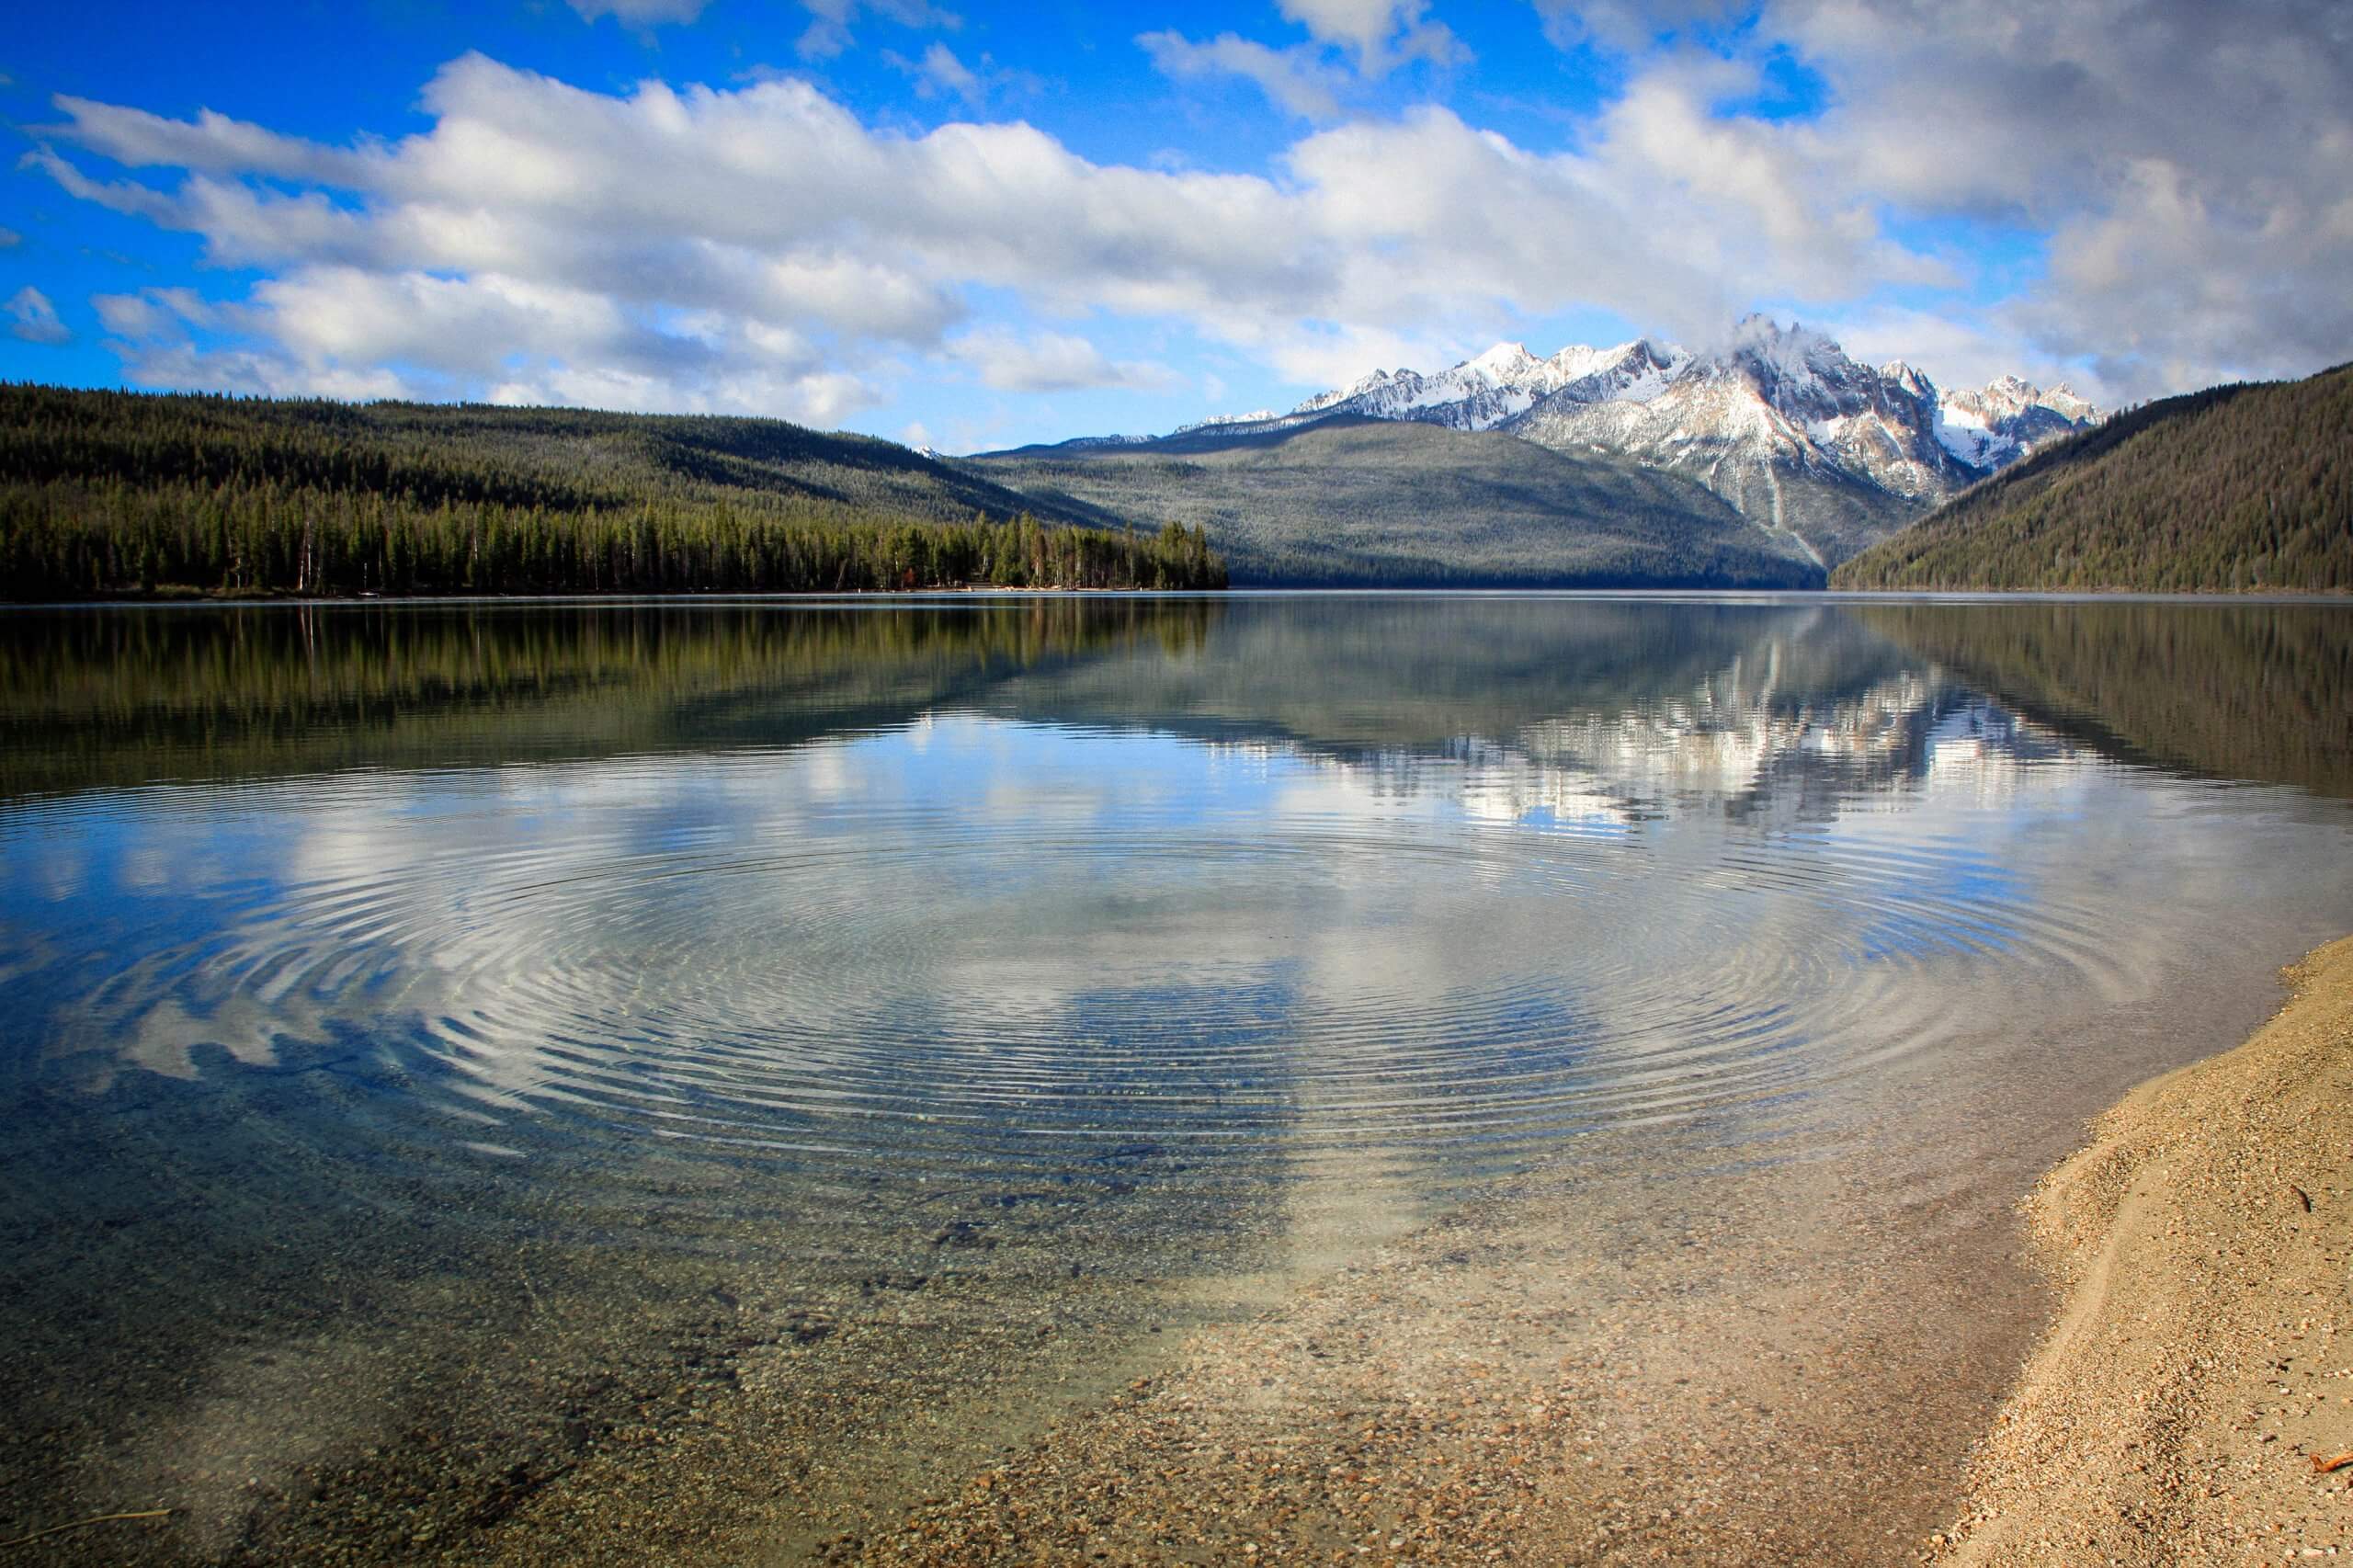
(2204, 1358)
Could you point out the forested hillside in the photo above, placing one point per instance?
(105, 493)
(2238, 488)
(1360, 502)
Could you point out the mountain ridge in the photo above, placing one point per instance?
(1821, 452)
(1353, 501)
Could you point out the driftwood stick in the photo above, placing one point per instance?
(85, 1523)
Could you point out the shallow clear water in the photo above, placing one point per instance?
(522, 993)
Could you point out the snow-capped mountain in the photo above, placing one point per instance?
(1631, 372)
(1995, 427)
(1802, 439)
(1477, 394)
(1826, 453)
(1781, 421)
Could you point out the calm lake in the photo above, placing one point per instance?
(744, 1082)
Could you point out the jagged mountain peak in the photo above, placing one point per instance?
(1505, 363)
(1993, 426)
(2066, 400)
(1908, 377)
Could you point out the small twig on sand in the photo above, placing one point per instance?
(2336, 1461)
(2301, 1196)
(85, 1523)
(533, 1290)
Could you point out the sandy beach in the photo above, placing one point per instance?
(2199, 1380)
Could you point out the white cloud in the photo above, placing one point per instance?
(1373, 37)
(209, 145)
(1960, 351)
(149, 314)
(829, 22)
(940, 72)
(581, 228)
(2184, 164)
(10, 239)
(640, 13)
(342, 331)
(35, 318)
(1380, 34)
(1294, 79)
(1050, 361)
(763, 247)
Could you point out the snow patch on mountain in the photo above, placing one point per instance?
(1217, 421)
(1483, 392)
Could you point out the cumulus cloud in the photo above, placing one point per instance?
(2190, 161)
(2184, 165)
(1051, 361)
(1379, 34)
(152, 313)
(35, 318)
(764, 248)
(707, 244)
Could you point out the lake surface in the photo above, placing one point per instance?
(557, 1082)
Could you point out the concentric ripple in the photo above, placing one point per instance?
(1061, 943)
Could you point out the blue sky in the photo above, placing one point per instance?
(970, 224)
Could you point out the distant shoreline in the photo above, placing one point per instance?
(1232, 590)
(2196, 1380)
(946, 590)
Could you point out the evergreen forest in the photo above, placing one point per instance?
(2243, 488)
(108, 494)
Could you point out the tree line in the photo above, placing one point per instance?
(111, 494)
